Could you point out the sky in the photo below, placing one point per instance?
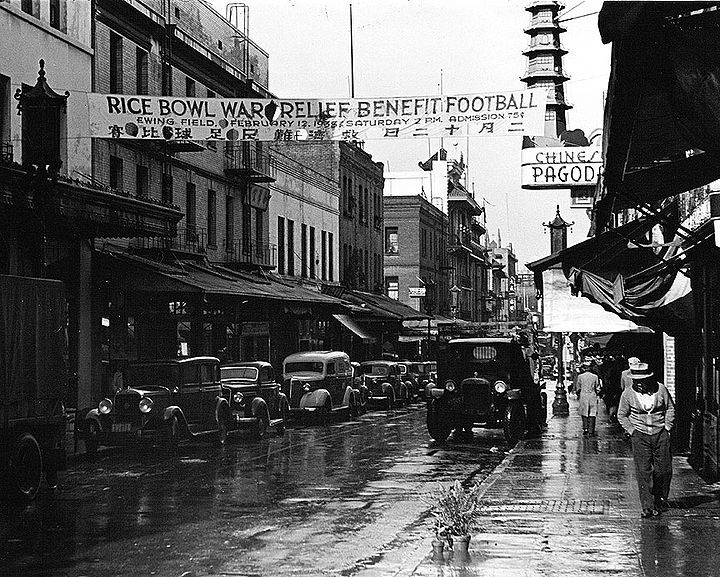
(417, 48)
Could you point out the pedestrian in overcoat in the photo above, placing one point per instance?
(647, 413)
(587, 389)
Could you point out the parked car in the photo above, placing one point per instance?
(408, 374)
(384, 382)
(320, 382)
(171, 399)
(255, 399)
(359, 385)
(484, 381)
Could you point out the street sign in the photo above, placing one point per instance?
(416, 292)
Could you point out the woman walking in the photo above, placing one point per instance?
(587, 389)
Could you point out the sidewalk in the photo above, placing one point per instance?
(565, 505)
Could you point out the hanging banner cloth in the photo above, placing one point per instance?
(519, 112)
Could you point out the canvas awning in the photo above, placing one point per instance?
(662, 112)
(354, 328)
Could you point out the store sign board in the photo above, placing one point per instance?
(416, 292)
(119, 116)
(561, 167)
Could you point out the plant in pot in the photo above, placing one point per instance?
(457, 512)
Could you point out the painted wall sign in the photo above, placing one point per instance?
(416, 292)
(561, 167)
(168, 118)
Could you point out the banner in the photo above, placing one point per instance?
(230, 119)
(561, 167)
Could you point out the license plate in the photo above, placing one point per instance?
(121, 428)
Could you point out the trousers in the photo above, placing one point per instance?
(653, 466)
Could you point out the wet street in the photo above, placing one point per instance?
(341, 499)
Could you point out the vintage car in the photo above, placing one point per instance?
(409, 378)
(385, 384)
(170, 399)
(484, 381)
(320, 383)
(255, 399)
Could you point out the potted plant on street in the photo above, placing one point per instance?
(457, 511)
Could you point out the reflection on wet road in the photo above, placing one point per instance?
(337, 500)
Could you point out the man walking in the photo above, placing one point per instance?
(625, 378)
(647, 413)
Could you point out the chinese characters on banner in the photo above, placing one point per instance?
(229, 119)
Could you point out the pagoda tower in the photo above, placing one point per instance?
(545, 66)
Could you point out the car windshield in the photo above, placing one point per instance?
(417, 368)
(153, 374)
(240, 373)
(381, 370)
(304, 367)
(403, 369)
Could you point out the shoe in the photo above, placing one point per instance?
(661, 504)
(649, 513)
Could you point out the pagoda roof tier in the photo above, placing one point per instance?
(550, 49)
(531, 74)
(545, 25)
(539, 4)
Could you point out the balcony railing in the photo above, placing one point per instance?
(189, 239)
(7, 153)
(245, 252)
(248, 160)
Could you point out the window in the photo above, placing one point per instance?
(141, 70)
(190, 207)
(259, 232)
(116, 63)
(281, 244)
(331, 256)
(116, 173)
(365, 205)
(291, 247)
(189, 87)
(27, 6)
(167, 188)
(391, 240)
(141, 180)
(177, 12)
(303, 250)
(549, 114)
(229, 223)
(367, 270)
(55, 14)
(423, 242)
(392, 287)
(323, 255)
(312, 253)
(212, 217)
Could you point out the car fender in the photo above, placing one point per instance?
(282, 402)
(259, 409)
(221, 405)
(314, 399)
(432, 391)
(91, 415)
(174, 410)
(387, 389)
(350, 397)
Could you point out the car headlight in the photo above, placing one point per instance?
(500, 387)
(145, 405)
(450, 386)
(105, 406)
(237, 398)
(306, 387)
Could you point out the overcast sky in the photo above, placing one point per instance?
(400, 49)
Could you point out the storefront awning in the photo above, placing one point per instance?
(662, 112)
(353, 327)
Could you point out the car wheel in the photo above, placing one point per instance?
(437, 423)
(261, 428)
(172, 434)
(223, 427)
(92, 439)
(24, 468)
(515, 423)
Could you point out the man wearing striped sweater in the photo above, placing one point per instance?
(647, 413)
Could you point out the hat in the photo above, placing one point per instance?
(632, 361)
(640, 371)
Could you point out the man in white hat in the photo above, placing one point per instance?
(625, 378)
(647, 413)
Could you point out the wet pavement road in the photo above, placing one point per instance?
(344, 499)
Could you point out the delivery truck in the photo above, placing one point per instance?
(33, 381)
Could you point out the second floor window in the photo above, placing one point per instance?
(391, 240)
(116, 63)
(392, 287)
(190, 206)
(229, 222)
(141, 70)
(116, 173)
(281, 244)
(291, 247)
(189, 87)
(212, 217)
(141, 181)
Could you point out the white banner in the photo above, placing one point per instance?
(561, 167)
(229, 119)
